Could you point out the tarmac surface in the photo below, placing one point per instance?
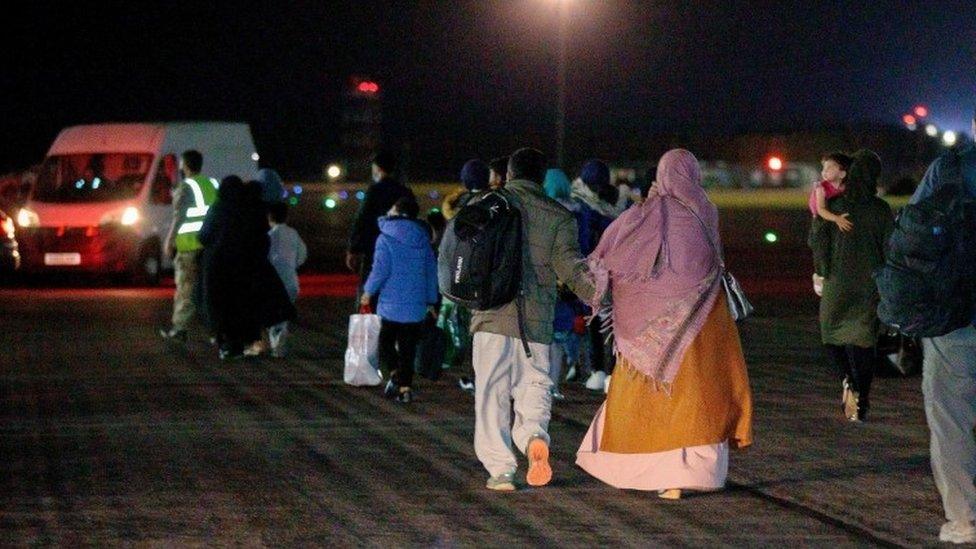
(110, 436)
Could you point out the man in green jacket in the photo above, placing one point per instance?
(503, 371)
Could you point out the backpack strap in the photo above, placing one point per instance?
(515, 204)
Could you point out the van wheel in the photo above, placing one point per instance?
(149, 268)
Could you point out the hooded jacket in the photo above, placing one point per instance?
(404, 273)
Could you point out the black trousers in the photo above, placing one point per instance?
(598, 350)
(856, 364)
(398, 348)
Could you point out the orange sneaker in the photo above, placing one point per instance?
(540, 473)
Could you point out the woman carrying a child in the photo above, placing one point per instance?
(843, 262)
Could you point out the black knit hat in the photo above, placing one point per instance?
(386, 161)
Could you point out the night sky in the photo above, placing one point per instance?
(469, 78)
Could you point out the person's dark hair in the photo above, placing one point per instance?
(278, 212)
(499, 165)
(407, 207)
(231, 189)
(527, 163)
(862, 178)
(386, 161)
(842, 159)
(193, 160)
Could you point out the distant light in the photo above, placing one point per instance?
(129, 216)
(297, 189)
(79, 184)
(360, 195)
(330, 203)
(931, 130)
(434, 195)
(368, 87)
(333, 171)
(96, 183)
(344, 195)
(949, 138)
(293, 201)
(912, 127)
(909, 120)
(921, 111)
(771, 237)
(255, 156)
(435, 210)
(775, 163)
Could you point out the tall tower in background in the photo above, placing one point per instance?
(361, 125)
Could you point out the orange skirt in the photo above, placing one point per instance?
(710, 400)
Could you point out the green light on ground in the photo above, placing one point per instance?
(293, 201)
(771, 237)
(329, 203)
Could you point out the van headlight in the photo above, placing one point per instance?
(27, 218)
(127, 217)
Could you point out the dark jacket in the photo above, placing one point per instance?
(242, 290)
(380, 197)
(591, 225)
(552, 253)
(848, 307)
(404, 270)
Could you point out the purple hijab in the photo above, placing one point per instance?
(661, 270)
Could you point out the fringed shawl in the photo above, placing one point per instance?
(661, 270)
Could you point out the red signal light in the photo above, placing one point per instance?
(909, 120)
(775, 163)
(368, 87)
(921, 111)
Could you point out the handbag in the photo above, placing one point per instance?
(362, 352)
(739, 306)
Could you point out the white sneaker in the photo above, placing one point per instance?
(504, 482)
(571, 374)
(606, 385)
(596, 381)
(958, 532)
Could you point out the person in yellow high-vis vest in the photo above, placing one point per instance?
(193, 197)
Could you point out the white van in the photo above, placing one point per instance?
(103, 197)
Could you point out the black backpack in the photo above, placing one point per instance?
(480, 257)
(928, 282)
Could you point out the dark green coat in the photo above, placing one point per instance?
(848, 308)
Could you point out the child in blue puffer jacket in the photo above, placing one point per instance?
(404, 276)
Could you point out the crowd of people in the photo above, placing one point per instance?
(630, 284)
(623, 290)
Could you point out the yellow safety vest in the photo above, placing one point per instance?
(204, 192)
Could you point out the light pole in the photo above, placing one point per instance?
(563, 14)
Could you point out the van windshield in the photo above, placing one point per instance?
(95, 177)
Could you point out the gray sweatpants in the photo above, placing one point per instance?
(503, 373)
(949, 386)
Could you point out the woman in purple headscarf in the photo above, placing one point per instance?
(680, 398)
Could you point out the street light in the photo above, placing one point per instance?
(931, 130)
(949, 138)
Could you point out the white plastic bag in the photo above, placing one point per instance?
(362, 354)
